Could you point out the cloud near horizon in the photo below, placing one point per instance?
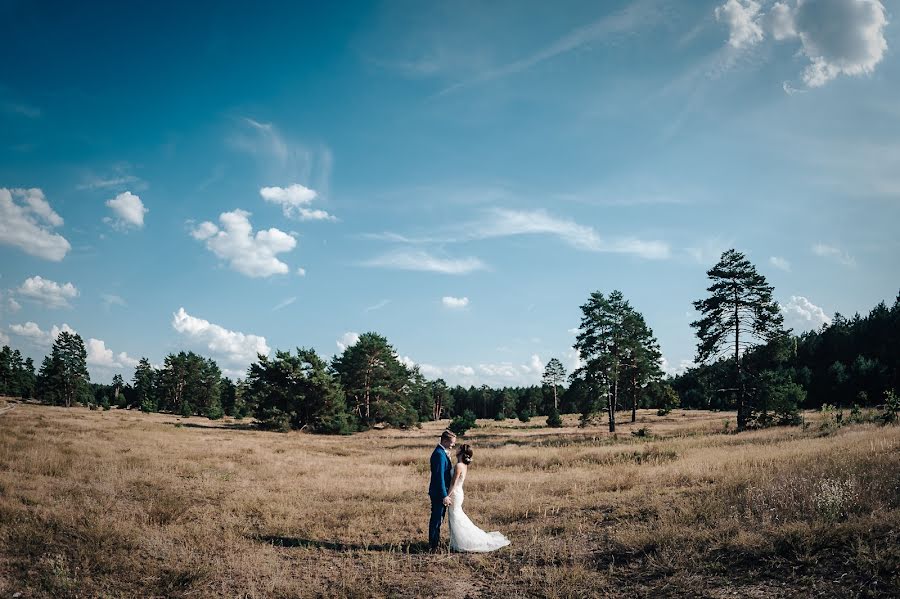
(234, 346)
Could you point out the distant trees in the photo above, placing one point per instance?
(618, 349)
(144, 385)
(376, 384)
(554, 376)
(17, 377)
(64, 378)
(297, 391)
(189, 384)
(738, 314)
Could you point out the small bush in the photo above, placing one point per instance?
(463, 422)
(891, 411)
(834, 498)
(641, 432)
(554, 420)
(215, 412)
(525, 416)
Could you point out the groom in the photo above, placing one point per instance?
(440, 483)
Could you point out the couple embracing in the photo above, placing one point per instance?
(446, 492)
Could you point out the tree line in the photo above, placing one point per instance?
(747, 361)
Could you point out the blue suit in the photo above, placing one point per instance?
(437, 490)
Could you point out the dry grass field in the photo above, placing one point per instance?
(118, 503)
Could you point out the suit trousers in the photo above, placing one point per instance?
(434, 525)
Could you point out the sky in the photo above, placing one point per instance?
(456, 176)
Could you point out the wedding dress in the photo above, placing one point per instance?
(464, 535)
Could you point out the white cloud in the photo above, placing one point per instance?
(781, 21)
(237, 347)
(204, 231)
(674, 370)
(534, 365)
(503, 222)
(99, 355)
(129, 209)
(301, 272)
(455, 302)
(839, 37)
(505, 370)
(30, 330)
(780, 263)
(47, 292)
(295, 201)
(251, 255)
(13, 305)
(462, 370)
(284, 303)
(833, 253)
(801, 314)
(743, 19)
(421, 260)
(348, 339)
(26, 223)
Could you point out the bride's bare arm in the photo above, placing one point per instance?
(457, 478)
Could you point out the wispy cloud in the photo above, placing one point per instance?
(406, 259)
(378, 306)
(281, 158)
(637, 15)
(780, 263)
(833, 253)
(284, 303)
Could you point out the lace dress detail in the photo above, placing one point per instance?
(464, 534)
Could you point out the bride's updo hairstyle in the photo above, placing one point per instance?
(465, 454)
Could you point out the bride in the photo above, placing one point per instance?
(464, 535)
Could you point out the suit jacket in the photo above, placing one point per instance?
(440, 474)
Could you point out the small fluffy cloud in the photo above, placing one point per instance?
(295, 201)
(129, 210)
(833, 253)
(743, 19)
(13, 305)
(31, 331)
(234, 346)
(839, 37)
(801, 314)
(423, 261)
(99, 355)
(348, 339)
(26, 222)
(47, 292)
(455, 302)
(673, 369)
(249, 254)
(780, 263)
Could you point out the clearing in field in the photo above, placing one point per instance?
(120, 503)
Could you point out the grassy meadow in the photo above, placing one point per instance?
(119, 503)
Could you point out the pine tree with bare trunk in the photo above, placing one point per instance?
(738, 314)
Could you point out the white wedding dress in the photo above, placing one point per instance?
(464, 535)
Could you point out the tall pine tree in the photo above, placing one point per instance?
(738, 314)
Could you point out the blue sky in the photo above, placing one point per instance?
(455, 176)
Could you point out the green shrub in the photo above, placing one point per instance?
(891, 411)
(554, 420)
(215, 412)
(463, 422)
